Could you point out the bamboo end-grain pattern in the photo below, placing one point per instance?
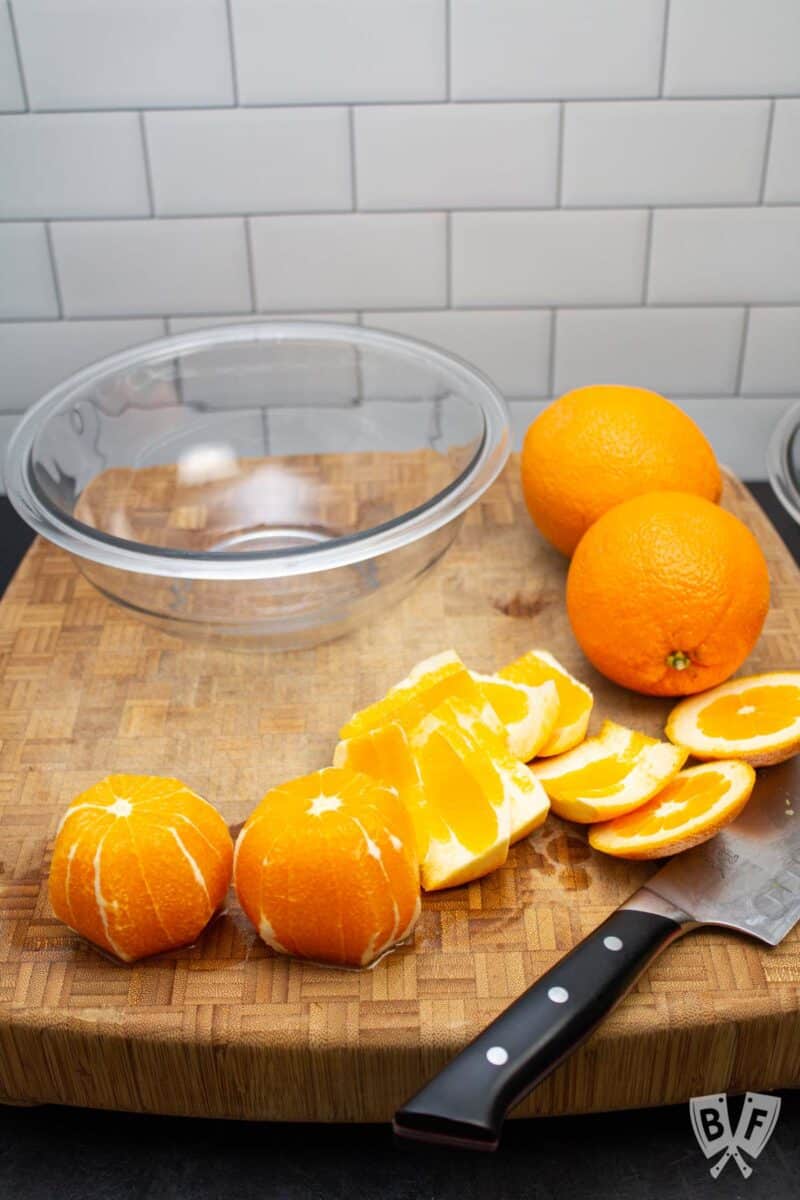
(226, 1028)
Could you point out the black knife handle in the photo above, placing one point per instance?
(467, 1102)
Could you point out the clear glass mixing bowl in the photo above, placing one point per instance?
(271, 483)
(783, 461)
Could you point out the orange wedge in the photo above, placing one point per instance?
(427, 684)
(756, 718)
(610, 774)
(575, 700)
(384, 754)
(694, 805)
(528, 713)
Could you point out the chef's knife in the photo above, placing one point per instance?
(747, 878)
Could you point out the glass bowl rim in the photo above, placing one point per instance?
(779, 461)
(443, 507)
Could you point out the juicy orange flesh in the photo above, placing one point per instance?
(407, 706)
(326, 866)
(384, 754)
(533, 671)
(140, 864)
(681, 801)
(754, 712)
(509, 704)
(602, 777)
(462, 789)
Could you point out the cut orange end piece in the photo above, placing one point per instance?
(575, 700)
(326, 869)
(527, 712)
(756, 718)
(693, 806)
(427, 684)
(608, 775)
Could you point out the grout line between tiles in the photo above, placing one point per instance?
(148, 169)
(448, 259)
(18, 55)
(662, 69)
(562, 120)
(251, 270)
(48, 233)
(351, 128)
(648, 255)
(232, 54)
(448, 50)
(551, 364)
(767, 150)
(737, 389)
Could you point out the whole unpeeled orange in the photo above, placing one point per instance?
(667, 593)
(597, 446)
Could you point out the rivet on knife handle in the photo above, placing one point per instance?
(467, 1102)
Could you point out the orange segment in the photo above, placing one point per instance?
(693, 806)
(326, 868)
(528, 713)
(755, 718)
(428, 683)
(575, 700)
(608, 775)
(140, 865)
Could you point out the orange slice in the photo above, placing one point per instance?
(575, 700)
(427, 684)
(756, 718)
(694, 805)
(528, 713)
(325, 868)
(608, 775)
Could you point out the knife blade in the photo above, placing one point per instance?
(747, 879)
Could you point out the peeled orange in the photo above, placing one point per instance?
(667, 593)
(325, 868)
(597, 446)
(755, 718)
(140, 865)
(608, 775)
(527, 712)
(693, 806)
(538, 667)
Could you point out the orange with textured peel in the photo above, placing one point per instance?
(538, 667)
(140, 865)
(693, 806)
(755, 718)
(325, 868)
(667, 594)
(597, 446)
(608, 775)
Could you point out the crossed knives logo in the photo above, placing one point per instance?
(711, 1125)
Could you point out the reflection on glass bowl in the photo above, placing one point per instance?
(783, 461)
(272, 483)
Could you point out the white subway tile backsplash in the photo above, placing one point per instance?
(783, 173)
(511, 346)
(189, 324)
(242, 161)
(538, 49)
(11, 95)
(664, 152)
(548, 258)
(8, 424)
(72, 165)
(456, 156)
(772, 352)
(671, 350)
(309, 51)
(733, 48)
(125, 54)
(356, 260)
(38, 355)
(143, 268)
(726, 255)
(405, 425)
(26, 288)
(739, 430)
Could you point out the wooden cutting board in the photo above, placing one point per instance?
(228, 1029)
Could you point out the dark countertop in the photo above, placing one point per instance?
(79, 1154)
